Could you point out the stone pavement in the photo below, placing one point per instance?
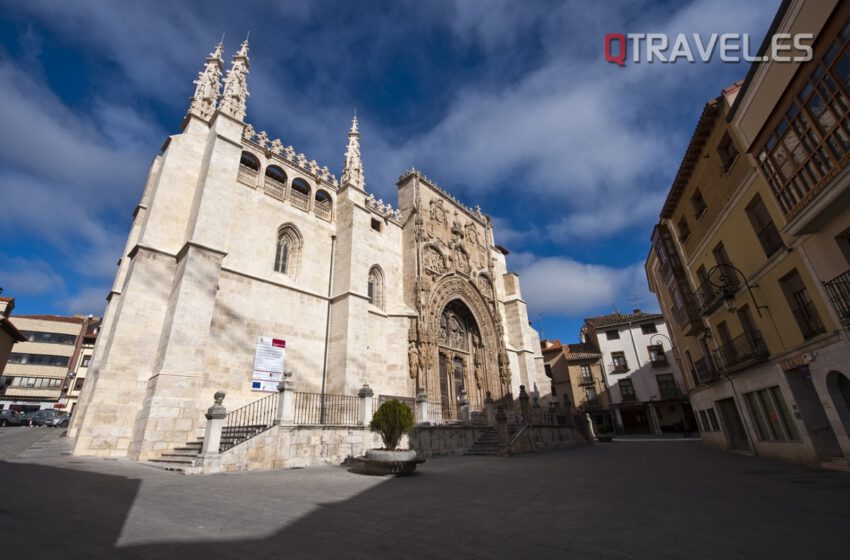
(619, 500)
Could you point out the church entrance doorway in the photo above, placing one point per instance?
(461, 359)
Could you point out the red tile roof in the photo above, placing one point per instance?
(613, 319)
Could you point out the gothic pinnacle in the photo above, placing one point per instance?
(236, 84)
(208, 86)
(352, 172)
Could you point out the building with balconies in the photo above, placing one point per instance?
(640, 372)
(9, 336)
(745, 287)
(792, 120)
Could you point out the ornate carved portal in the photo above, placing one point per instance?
(460, 338)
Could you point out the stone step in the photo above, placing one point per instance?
(175, 461)
(181, 454)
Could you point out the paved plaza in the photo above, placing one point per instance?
(628, 499)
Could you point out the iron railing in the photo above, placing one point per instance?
(248, 421)
(583, 380)
(839, 292)
(742, 350)
(331, 410)
(711, 294)
(443, 413)
(704, 370)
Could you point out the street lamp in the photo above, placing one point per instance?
(724, 279)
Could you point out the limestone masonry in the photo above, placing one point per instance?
(237, 236)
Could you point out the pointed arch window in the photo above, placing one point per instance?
(288, 250)
(249, 169)
(376, 287)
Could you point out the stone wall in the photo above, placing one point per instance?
(285, 447)
(545, 438)
(430, 441)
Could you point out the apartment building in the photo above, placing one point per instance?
(750, 255)
(38, 367)
(578, 379)
(643, 381)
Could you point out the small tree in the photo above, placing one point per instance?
(392, 420)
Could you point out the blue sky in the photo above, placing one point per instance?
(509, 105)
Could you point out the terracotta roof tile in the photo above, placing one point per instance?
(613, 319)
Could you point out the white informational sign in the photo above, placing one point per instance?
(268, 364)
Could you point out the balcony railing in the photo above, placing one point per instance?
(839, 292)
(585, 380)
(247, 176)
(630, 397)
(274, 188)
(299, 199)
(741, 351)
(710, 295)
(620, 368)
(323, 210)
(658, 360)
(704, 370)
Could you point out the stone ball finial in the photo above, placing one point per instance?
(287, 373)
(219, 397)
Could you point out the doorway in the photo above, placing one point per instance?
(635, 420)
(812, 413)
(733, 427)
(838, 386)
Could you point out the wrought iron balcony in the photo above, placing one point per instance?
(839, 292)
(704, 370)
(620, 368)
(710, 295)
(585, 381)
(741, 351)
(631, 397)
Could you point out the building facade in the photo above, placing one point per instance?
(578, 380)
(75, 381)
(38, 367)
(238, 236)
(749, 258)
(642, 379)
(9, 336)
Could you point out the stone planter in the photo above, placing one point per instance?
(381, 461)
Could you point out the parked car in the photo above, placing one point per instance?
(39, 417)
(9, 418)
(60, 421)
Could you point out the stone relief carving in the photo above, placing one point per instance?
(438, 212)
(434, 260)
(462, 261)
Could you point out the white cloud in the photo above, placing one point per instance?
(91, 300)
(21, 276)
(563, 286)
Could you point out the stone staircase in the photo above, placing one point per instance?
(488, 442)
(181, 458)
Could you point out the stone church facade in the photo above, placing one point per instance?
(237, 236)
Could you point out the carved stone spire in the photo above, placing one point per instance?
(208, 86)
(236, 84)
(352, 172)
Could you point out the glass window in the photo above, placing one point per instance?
(667, 385)
(627, 389)
(802, 306)
(50, 338)
(590, 394)
(586, 374)
(648, 328)
(38, 359)
(698, 202)
(712, 417)
(619, 361)
(613, 334)
(770, 415)
(764, 227)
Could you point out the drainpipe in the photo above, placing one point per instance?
(327, 329)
